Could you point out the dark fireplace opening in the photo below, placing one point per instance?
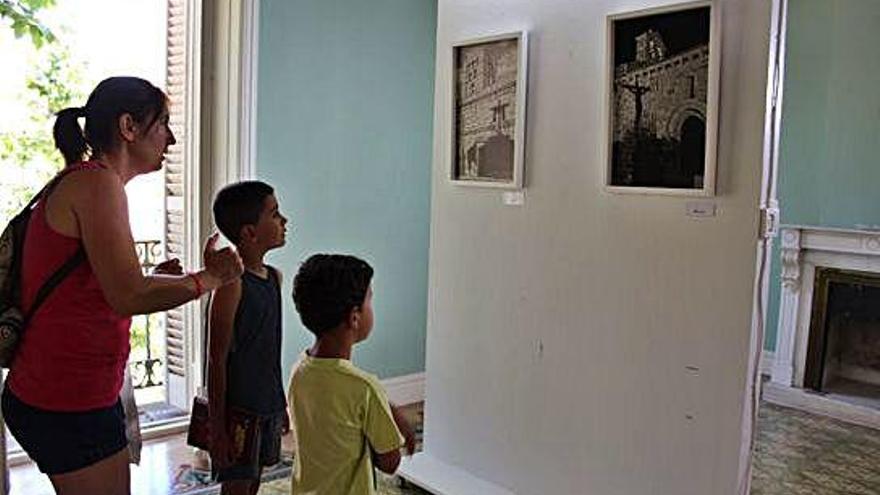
(843, 353)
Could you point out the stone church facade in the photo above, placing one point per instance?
(673, 88)
(659, 120)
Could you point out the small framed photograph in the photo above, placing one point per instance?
(489, 111)
(662, 100)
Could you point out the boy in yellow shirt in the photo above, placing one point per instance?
(342, 421)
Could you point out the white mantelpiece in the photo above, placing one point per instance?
(804, 249)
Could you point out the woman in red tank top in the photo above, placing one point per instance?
(61, 401)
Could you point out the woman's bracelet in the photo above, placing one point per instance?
(198, 283)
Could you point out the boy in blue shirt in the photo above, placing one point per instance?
(248, 411)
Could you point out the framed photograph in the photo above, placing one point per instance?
(662, 100)
(489, 111)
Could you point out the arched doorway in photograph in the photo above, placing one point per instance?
(693, 149)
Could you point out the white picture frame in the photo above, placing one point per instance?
(666, 142)
(488, 93)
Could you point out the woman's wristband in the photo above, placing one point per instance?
(198, 283)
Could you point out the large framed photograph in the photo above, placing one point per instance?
(489, 111)
(662, 102)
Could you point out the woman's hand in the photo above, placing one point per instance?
(169, 267)
(224, 265)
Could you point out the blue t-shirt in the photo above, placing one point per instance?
(253, 367)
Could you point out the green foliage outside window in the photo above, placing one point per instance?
(21, 14)
(28, 157)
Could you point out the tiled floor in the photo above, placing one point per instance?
(162, 462)
(802, 454)
(159, 463)
(796, 454)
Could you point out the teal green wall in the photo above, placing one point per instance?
(344, 133)
(829, 170)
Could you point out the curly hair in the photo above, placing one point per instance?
(327, 287)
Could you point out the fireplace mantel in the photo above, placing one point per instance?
(804, 249)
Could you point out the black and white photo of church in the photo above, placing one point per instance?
(660, 89)
(485, 111)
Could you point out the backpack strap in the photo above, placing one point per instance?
(54, 280)
(64, 270)
(47, 189)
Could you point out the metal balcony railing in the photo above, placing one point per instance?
(146, 363)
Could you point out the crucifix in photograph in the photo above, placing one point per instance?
(638, 91)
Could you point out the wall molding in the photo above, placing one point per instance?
(767, 359)
(229, 71)
(406, 389)
(250, 45)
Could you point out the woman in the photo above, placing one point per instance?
(61, 401)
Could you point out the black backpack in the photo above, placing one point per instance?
(12, 320)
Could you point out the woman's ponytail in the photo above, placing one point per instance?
(110, 99)
(69, 137)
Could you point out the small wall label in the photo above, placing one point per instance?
(701, 209)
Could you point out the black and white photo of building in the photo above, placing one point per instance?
(660, 93)
(486, 76)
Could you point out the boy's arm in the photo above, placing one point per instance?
(405, 428)
(220, 331)
(389, 461)
(382, 431)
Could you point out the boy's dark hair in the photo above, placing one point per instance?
(239, 204)
(327, 287)
(111, 98)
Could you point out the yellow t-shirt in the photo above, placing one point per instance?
(339, 412)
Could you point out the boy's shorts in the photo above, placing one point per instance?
(266, 453)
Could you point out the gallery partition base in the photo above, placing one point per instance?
(440, 478)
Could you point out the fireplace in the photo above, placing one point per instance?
(843, 350)
(827, 356)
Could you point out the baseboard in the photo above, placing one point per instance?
(406, 389)
(767, 358)
(439, 478)
(165, 429)
(818, 404)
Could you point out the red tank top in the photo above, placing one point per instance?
(74, 351)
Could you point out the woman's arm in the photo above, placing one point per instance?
(101, 210)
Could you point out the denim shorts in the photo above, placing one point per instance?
(62, 442)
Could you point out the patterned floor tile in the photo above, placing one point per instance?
(802, 454)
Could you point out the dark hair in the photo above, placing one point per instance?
(239, 204)
(327, 287)
(110, 99)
